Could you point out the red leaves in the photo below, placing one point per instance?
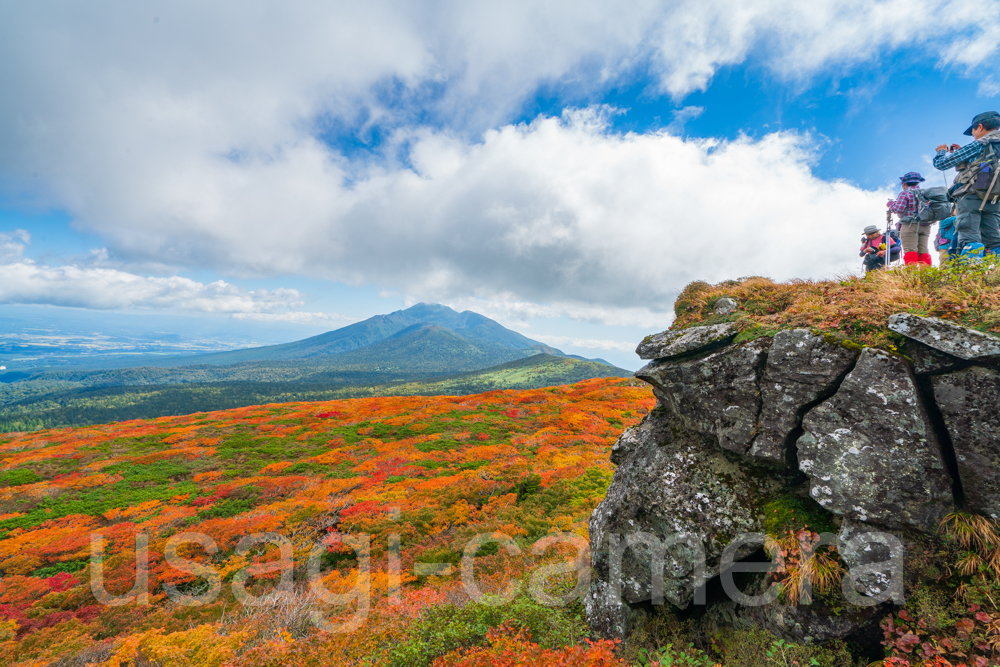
(364, 507)
(909, 635)
(907, 642)
(62, 582)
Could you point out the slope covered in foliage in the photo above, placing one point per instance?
(430, 472)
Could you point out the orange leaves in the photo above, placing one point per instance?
(136, 512)
(202, 646)
(509, 646)
(89, 481)
(275, 468)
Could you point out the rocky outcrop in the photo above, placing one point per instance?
(802, 368)
(675, 343)
(957, 341)
(969, 401)
(716, 395)
(674, 492)
(870, 451)
(882, 451)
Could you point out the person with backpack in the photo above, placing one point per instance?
(873, 248)
(976, 189)
(944, 242)
(913, 232)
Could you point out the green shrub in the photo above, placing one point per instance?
(447, 627)
(668, 656)
(19, 477)
(758, 648)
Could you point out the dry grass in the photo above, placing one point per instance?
(799, 561)
(853, 307)
(979, 536)
(277, 615)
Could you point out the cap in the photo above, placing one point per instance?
(986, 115)
(911, 177)
(871, 229)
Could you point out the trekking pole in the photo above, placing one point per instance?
(888, 240)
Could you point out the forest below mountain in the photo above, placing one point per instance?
(64, 400)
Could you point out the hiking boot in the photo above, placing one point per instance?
(973, 252)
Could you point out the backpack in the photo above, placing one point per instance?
(933, 204)
(979, 176)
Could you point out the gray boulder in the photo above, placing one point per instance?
(673, 493)
(969, 401)
(725, 305)
(944, 336)
(801, 369)
(717, 395)
(876, 557)
(813, 623)
(870, 451)
(928, 361)
(675, 343)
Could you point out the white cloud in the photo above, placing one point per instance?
(587, 343)
(12, 245)
(193, 142)
(24, 281)
(298, 317)
(560, 212)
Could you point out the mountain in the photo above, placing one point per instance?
(406, 351)
(430, 348)
(469, 325)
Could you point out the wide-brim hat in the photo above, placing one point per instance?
(911, 177)
(871, 229)
(986, 115)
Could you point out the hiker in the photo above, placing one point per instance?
(913, 233)
(873, 248)
(975, 189)
(944, 241)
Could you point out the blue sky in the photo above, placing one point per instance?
(266, 173)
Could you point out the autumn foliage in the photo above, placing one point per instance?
(432, 471)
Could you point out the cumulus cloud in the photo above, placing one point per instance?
(196, 141)
(560, 213)
(24, 281)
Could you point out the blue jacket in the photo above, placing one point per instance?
(945, 238)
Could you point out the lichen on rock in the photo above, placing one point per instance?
(871, 452)
(944, 336)
(675, 486)
(684, 341)
(717, 395)
(802, 367)
(969, 401)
